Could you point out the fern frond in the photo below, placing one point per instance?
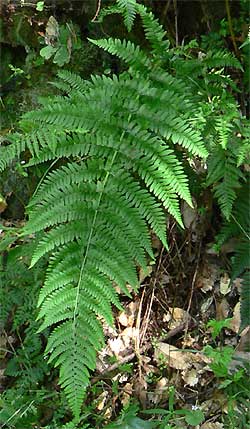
(125, 50)
(245, 299)
(128, 9)
(221, 58)
(225, 175)
(224, 128)
(154, 32)
(241, 260)
(10, 152)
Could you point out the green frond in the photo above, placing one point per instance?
(221, 58)
(72, 81)
(128, 9)
(225, 190)
(224, 128)
(239, 228)
(154, 32)
(245, 300)
(10, 152)
(241, 259)
(125, 50)
(225, 175)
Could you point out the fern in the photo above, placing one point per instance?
(223, 171)
(239, 228)
(117, 147)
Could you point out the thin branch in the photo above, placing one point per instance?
(97, 10)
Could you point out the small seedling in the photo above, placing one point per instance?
(217, 326)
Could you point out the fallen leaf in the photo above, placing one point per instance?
(236, 320)
(101, 400)
(244, 344)
(128, 315)
(225, 286)
(172, 356)
(123, 319)
(116, 345)
(222, 309)
(206, 304)
(190, 377)
(176, 316)
(207, 277)
(128, 335)
(210, 425)
(144, 274)
(190, 217)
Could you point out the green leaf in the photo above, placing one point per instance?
(40, 6)
(194, 417)
(136, 423)
(62, 56)
(47, 51)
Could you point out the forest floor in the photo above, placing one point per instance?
(187, 309)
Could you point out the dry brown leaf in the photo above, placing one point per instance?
(123, 318)
(129, 335)
(116, 345)
(211, 425)
(236, 320)
(206, 278)
(101, 400)
(127, 392)
(244, 344)
(178, 358)
(190, 218)
(225, 286)
(222, 309)
(174, 357)
(161, 391)
(206, 304)
(190, 377)
(176, 316)
(128, 315)
(144, 274)
(189, 341)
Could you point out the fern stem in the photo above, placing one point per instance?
(93, 226)
(43, 176)
(90, 237)
(241, 227)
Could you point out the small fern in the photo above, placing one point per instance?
(239, 229)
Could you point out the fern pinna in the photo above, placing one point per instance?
(113, 144)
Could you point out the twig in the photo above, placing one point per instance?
(144, 330)
(231, 27)
(176, 22)
(137, 338)
(192, 291)
(97, 10)
(131, 356)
